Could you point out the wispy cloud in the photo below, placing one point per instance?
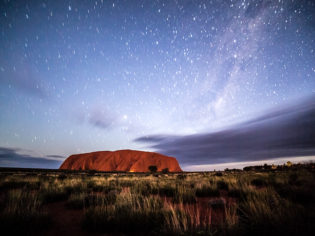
(15, 157)
(24, 77)
(102, 119)
(283, 132)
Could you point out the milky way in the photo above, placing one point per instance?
(81, 76)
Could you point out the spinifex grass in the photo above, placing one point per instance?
(220, 203)
(23, 213)
(137, 214)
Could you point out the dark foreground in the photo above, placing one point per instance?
(254, 202)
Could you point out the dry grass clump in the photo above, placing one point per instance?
(138, 214)
(23, 213)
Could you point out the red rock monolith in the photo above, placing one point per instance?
(122, 160)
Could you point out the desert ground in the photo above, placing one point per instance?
(256, 201)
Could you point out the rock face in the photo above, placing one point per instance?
(122, 160)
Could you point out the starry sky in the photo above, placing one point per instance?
(81, 76)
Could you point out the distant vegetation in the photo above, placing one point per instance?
(258, 201)
(152, 169)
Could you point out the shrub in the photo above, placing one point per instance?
(217, 203)
(236, 193)
(33, 185)
(76, 201)
(92, 172)
(77, 188)
(167, 191)
(258, 182)
(293, 178)
(205, 191)
(53, 195)
(126, 183)
(185, 197)
(13, 184)
(221, 185)
(23, 214)
(93, 186)
(130, 214)
(99, 200)
(181, 177)
(152, 169)
(219, 174)
(62, 177)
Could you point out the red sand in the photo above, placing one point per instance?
(122, 160)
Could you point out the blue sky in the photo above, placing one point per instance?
(82, 76)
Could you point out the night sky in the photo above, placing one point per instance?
(191, 79)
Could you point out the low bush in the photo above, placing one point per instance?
(130, 214)
(258, 182)
(219, 203)
(99, 200)
(13, 184)
(221, 185)
(181, 177)
(53, 195)
(76, 201)
(23, 214)
(185, 198)
(206, 191)
(167, 191)
(62, 177)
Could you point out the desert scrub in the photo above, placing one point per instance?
(168, 191)
(168, 205)
(140, 215)
(126, 183)
(185, 195)
(100, 199)
(75, 188)
(296, 194)
(23, 213)
(53, 194)
(222, 185)
(258, 182)
(265, 212)
(145, 188)
(185, 220)
(207, 191)
(130, 214)
(94, 186)
(76, 201)
(12, 184)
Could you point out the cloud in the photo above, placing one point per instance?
(15, 157)
(155, 138)
(25, 78)
(57, 157)
(284, 132)
(102, 119)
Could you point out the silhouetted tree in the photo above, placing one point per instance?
(289, 163)
(165, 171)
(152, 169)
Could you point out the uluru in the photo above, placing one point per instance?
(121, 160)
